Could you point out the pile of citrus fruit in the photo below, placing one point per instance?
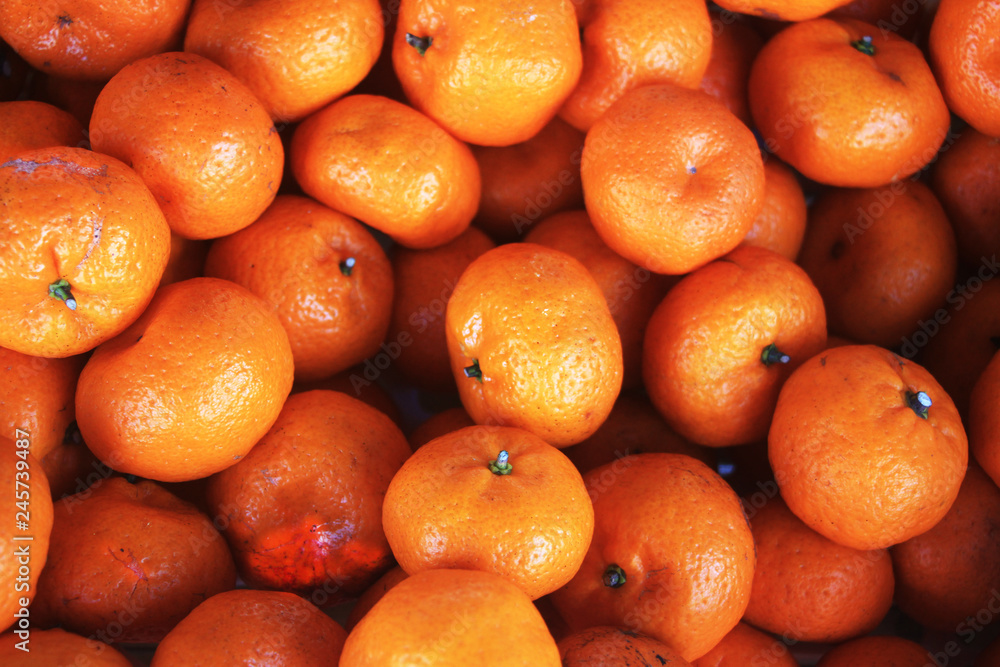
(500, 332)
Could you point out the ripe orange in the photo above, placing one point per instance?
(58, 647)
(877, 651)
(867, 448)
(628, 44)
(188, 388)
(490, 498)
(809, 588)
(672, 555)
(964, 46)
(783, 10)
(296, 57)
(746, 646)
(373, 594)
(658, 192)
(82, 247)
(781, 223)
(884, 260)
(82, 39)
(533, 343)
(196, 136)
(127, 562)
(27, 125)
(984, 419)
(321, 273)
(847, 104)
(607, 645)
(491, 74)
(721, 344)
(253, 627)
(70, 466)
(303, 510)
(735, 44)
(452, 618)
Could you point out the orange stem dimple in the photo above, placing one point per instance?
(474, 371)
(347, 266)
(501, 466)
(772, 355)
(919, 402)
(864, 45)
(60, 289)
(614, 576)
(421, 44)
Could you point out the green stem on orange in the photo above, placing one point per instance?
(919, 402)
(614, 576)
(421, 44)
(501, 466)
(60, 289)
(347, 265)
(864, 45)
(474, 371)
(772, 355)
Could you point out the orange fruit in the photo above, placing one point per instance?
(533, 343)
(964, 46)
(58, 647)
(660, 196)
(186, 260)
(714, 378)
(631, 291)
(606, 645)
(188, 388)
(71, 467)
(303, 510)
(877, 651)
(424, 281)
(984, 419)
(966, 179)
(37, 396)
(450, 618)
(490, 74)
(253, 627)
(26, 125)
(525, 182)
(847, 104)
(782, 10)
(952, 571)
(781, 223)
(811, 588)
(490, 498)
(672, 555)
(26, 530)
(127, 562)
(296, 57)
(321, 273)
(82, 247)
(746, 646)
(373, 594)
(439, 424)
(81, 39)
(389, 166)
(867, 448)
(734, 46)
(196, 136)
(883, 259)
(628, 44)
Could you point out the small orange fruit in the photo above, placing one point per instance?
(37, 396)
(27, 125)
(783, 10)
(607, 645)
(781, 223)
(58, 647)
(877, 651)
(439, 424)
(735, 44)
(984, 419)
(373, 594)
(746, 646)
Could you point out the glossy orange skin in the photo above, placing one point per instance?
(964, 46)
(27, 125)
(702, 356)
(811, 588)
(445, 508)
(196, 136)
(842, 117)
(304, 508)
(68, 213)
(606, 645)
(190, 387)
(494, 74)
(291, 257)
(629, 44)
(84, 39)
(668, 521)
(450, 618)
(22, 480)
(744, 646)
(639, 188)
(952, 571)
(633, 427)
(734, 47)
(37, 396)
(296, 57)
(424, 281)
(632, 292)
(966, 179)
(984, 419)
(389, 166)
(853, 460)
(254, 628)
(526, 182)
(58, 647)
(128, 561)
(781, 223)
(439, 424)
(373, 594)
(537, 324)
(884, 259)
(877, 651)
(783, 10)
